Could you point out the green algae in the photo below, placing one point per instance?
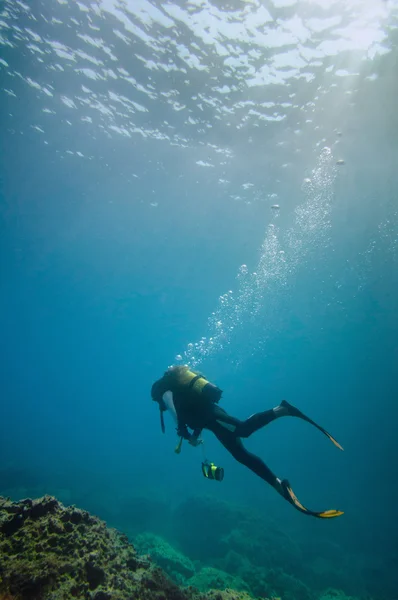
(52, 552)
(209, 577)
(177, 565)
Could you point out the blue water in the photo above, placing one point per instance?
(143, 146)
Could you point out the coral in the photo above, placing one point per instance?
(178, 566)
(50, 552)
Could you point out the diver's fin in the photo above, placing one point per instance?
(295, 412)
(291, 497)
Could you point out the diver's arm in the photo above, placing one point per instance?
(182, 431)
(193, 438)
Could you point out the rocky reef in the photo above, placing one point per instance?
(52, 552)
(231, 546)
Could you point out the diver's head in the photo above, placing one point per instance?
(156, 395)
(177, 369)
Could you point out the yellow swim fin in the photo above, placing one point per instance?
(295, 412)
(331, 438)
(291, 497)
(330, 514)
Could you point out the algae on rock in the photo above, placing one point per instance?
(52, 552)
(177, 565)
(209, 577)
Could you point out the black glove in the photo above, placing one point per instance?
(182, 431)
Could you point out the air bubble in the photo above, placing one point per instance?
(258, 286)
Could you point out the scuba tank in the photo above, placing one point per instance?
(188, 380)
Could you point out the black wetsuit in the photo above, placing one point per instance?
(196, 404)
(199, 412)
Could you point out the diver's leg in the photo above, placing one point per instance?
(284, 409)
(246, 428)
(250, 425)
(255, 422)
(234, 445)
(259, 420)
(219, 415)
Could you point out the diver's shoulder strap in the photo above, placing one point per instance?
(194, 380)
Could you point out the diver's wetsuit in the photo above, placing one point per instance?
(229, 431)
(194, 400)
(199, 413)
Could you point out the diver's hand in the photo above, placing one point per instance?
(194, 441)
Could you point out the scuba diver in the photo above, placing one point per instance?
(193, 401)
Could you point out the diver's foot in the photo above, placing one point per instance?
(287, 493)
(278, 486)
(283, 488)
(289, 410)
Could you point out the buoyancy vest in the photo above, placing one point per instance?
(186, 380)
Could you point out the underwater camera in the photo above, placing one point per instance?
(210, 471)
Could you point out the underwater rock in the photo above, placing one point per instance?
(140, 514)
(220, 527)
(287, 586)
(228, 595)
(52, 552)
(202, 538)
(332, 594)
(177, 565)
(209, 577)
